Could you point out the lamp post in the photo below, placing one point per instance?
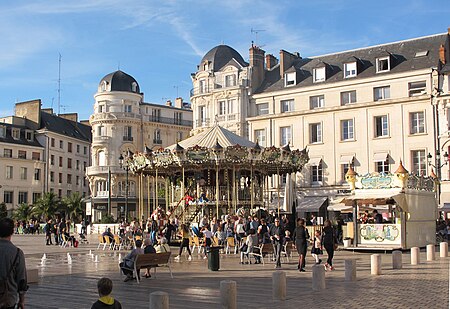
(438, 165)
(124, 165)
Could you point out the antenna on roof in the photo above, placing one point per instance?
(59, 84)
(176, 87)
(256, 31)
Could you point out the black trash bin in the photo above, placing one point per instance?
(213, 258)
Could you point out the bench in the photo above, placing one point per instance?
(262, 250)
(152, 260)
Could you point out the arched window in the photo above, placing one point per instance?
(101, 157)
(134, 87)
(103, 86)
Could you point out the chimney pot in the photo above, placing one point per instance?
(442, 54)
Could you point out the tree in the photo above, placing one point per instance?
(3, 211)
(73, 204)
(47, 205)
(23, 212)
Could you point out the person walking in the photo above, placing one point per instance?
(13, 273)
(184, 242)
(329, 242)
(277, 237)
(301, 237)
(48, 232)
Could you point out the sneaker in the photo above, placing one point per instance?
(302, 270)
(190, 258)
(177, 258)
(205, 257)
(331, 268)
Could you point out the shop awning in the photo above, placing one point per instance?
(380, 157)
(346, 159)
(314, 161)
(311, 203)
(377, 197)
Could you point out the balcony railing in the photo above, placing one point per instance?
(157, 141)
(168, 120)
(128, 138)
(101, 139)
(202, 122)
(98, 170)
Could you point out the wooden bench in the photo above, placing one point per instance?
(152, 260)
(262, 250)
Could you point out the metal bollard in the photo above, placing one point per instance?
(443, 249)
(318, 278)
(159, 300)
(397, 259)
(415, 255)
(375, 264)
(431, 255)
(228, 294)
(350, 270)
(279, 285)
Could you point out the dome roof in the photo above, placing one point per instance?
(221, 55)
(118, 81)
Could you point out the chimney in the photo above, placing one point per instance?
(48, 110)
(85, 122)
(179, 102)
(257, 66)
(271, 61)
(286, 61)
(168, 103)
(30, 110)
(448, 30)
(70, 116)
(442, 53)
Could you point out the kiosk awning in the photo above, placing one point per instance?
(310, 203)
(377, 197)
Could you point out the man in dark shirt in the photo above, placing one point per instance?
(12, 267)
(377, 217)
(277, 235)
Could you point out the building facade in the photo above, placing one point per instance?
(368, 108)
(122, 122)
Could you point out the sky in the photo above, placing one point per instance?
(160, 43)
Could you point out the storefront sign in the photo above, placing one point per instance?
(380, 234)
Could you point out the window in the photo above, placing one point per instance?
(421, 53)
(16, 133)
(347, 130)
(262, 109)
(7, 153)
(36, 156)
(157, 137)
(178, 117)
(85, 150)
(59, 177)
(9, 172)
(69, 147)
(419, 162)
(222, 107)
(61, 144)
(382, 167)
(344, 169)
(23, 173)
(52, 159)
(179, 136)
(348, 97)
(22, 154)
(134, 86)
(23, 197)
(52, 176)
(127, 108)
(69, 178)
(202, 116)
(417, 88)
(317, 173)
(230, 80)
(2, 131)
(381, 126)
(69, 163)
(77, 180)
(127, 133)
(78, 148)
(417, 121)
(315, 133)
(29, 135)
(287, 106)
(59, 193)
(68, 192)
(101, 131)
(260, 136)
(37, 174)
(349, 69)
(60, 161)
(381, 93)
(202, 86)
(316, 101)
(36, 197)
(231, 104)
(52, 142)
(8, 197)
(285, 135)
(383, 64)
(319, 75)
(101, 155)
(77, 164)
(290, 79)
(101, 108)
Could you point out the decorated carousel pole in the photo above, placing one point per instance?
(166, 189)
(234, 189)
(251, 187)
(156, 189)
(148, 195)
(182, 192)
(217, 151)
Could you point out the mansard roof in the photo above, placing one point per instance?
(66, 127)
(221, 55)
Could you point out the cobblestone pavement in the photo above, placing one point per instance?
(64, 285)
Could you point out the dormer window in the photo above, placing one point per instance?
(290, 79)
(29, 135)
(319, 75)
(134, 87)
(16, 133)
(103, 86)
(2, 131)
(350, 69)
(383, 64)
(230, 80)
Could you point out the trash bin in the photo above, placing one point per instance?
(213, 258)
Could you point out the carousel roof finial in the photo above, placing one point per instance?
(217, 146)
(286, 147)
(401, 169)
(351, 171)
(257, 148)
(129, 153)
(178, 148)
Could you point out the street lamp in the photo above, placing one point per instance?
(124, 165)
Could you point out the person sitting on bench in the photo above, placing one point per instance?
(127, 265)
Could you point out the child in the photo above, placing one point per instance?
(207, 239)
(316, 249)
(105, 301)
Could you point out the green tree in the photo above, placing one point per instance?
(3, 210)
(23, 212)
(46, 206)
(74, 206)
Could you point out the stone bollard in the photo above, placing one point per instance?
(397, 259)
(279, 285)
(415, 255)
(443, 249)
(228, 294)
(350, 270)
(431, 255)
(318, 278)
(375, 264)
(159, 300)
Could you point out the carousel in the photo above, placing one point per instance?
(215, 172)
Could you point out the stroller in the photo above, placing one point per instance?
(83, 238)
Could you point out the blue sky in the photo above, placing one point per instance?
(161, 42)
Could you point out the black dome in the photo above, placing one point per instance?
(119, 81)
(221, 55)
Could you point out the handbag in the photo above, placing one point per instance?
(317, 251)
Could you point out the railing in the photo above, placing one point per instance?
(128, 138)
(168, 120)
(157, 141)
(91, 170)
(202, 122)
(113, 116)
(101, 139)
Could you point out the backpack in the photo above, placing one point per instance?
(4, 284)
